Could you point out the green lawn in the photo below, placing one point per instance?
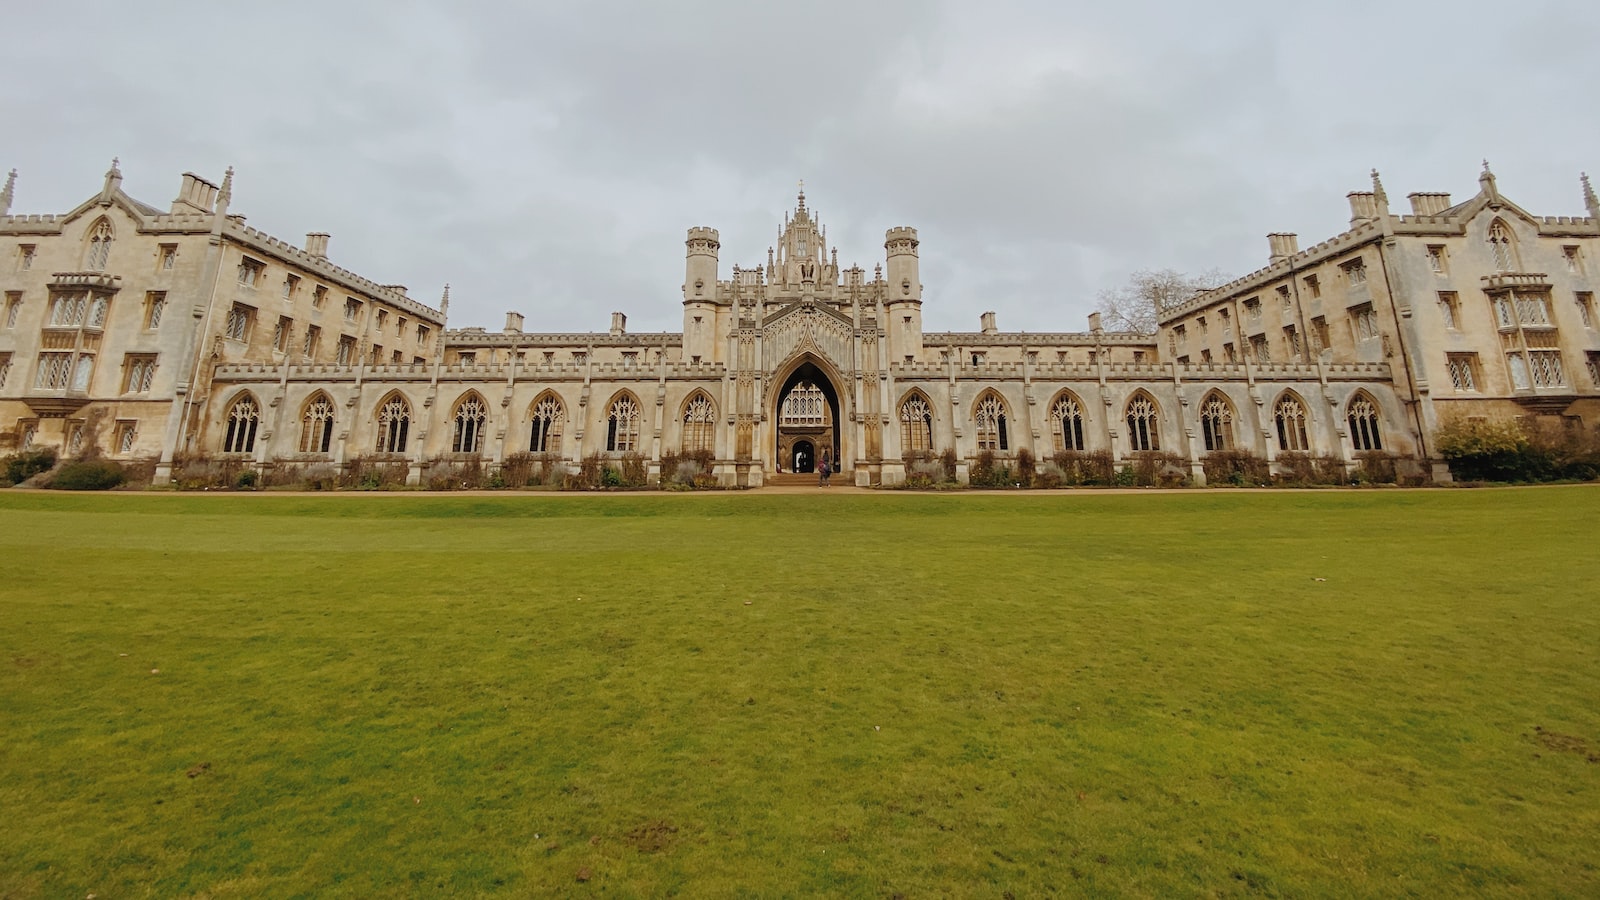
(1321, 693)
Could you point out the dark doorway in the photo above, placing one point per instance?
(805, 457)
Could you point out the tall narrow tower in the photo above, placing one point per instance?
(904, 286)
(700, 294)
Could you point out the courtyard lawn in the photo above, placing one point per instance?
(1307, 694)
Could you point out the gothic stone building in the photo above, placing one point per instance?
(157, 333)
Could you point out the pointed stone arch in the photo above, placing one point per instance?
(991, 422)
(801, 371)
(916, 423)
(547, 423)
(1066, 422)
(316, 423)
(623, 417)
(1143, 415)
(468, 419)
(1503, 246)
(98, 249)
(393, 415)
(1292, 419)
(698, 418)
(1217, 416)
(242, 421)
(1365, 418)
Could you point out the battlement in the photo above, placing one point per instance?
(287, 252)
(901, 240)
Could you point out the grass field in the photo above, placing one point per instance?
(1252, 693)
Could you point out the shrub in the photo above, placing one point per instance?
(1026, 467)
(1079, 467)
(19, 467)
(1501, 450)
(987, 471)
(532, 469)
(1303, 470)
(88, 475)
(375, 474)
(306, 476)
(1376, 467)
(1048, 476)
(948, 458)
(198, 472)
(692, 470)
(1236, 467)
(456, 474)
(1157, 468)
(925, 473)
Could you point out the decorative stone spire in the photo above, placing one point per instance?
(444, 301)
(802, 207)
(225, 195)
(113, 177)
(10, 191)
(1487, 182)
(1380, 197)
(1589, 199)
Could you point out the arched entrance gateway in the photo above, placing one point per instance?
(808, 420)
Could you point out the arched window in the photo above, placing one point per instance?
(548, 417)
(1066, 422)
(622, 425)
(99, 246)
(990, 415)
(699, 424)
(805, 405)
(1144, 431)
(243, 418)
(394, 424)
(471, 415)
(1503, 246)
(1363, 414)
(1290, 414)
(1216, 422)
(316, 425)
(916, 425)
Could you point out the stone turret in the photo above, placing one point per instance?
(904, 292)
(700, 293)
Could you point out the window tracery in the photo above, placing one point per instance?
(243, 419)
(990, 417)
(699, 422)
(805, 405)
(1066, 423)
(548, 419)
(394, 425)
(1502, 247)
(622, 425)
(1290, 415)
(470, 417)
(916, 425)
(1363, 415)
(1143, 424)
(316, 425)
(99, 246)
(1216, 423)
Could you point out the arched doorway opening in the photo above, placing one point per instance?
(803, 458)
(808, 419)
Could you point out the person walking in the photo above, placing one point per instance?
(824, 469)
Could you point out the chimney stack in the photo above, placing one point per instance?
(987, 321)
(1094, 323)
(1363, 207)
(619, 324)
(513, 323)
(194, 194)
(1282, 246)
(1428, 204)
(317, 244)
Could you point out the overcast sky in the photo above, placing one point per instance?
(548, 157)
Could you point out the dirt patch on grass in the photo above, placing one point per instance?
(1565, 743)
(652, 837)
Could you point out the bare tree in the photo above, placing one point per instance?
(1137, 306)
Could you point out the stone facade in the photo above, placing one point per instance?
(155, 334)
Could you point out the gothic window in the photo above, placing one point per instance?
(1463, 368)
(805, 405)
(699, 423)
(237, 326)
(243, 418)
(548, 417)
(470, 417)
(1216, 422)
(68, 310)
(99, 246)
(1290, 415)
(1143, 423)
(1066, 423)
(991, 421)
(622, 425)
(1502, 247)
(139, 372)
(916, 425)
(316, 425)
(1363, 415)
(394, 424)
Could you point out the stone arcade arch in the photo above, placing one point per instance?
(807, 408)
